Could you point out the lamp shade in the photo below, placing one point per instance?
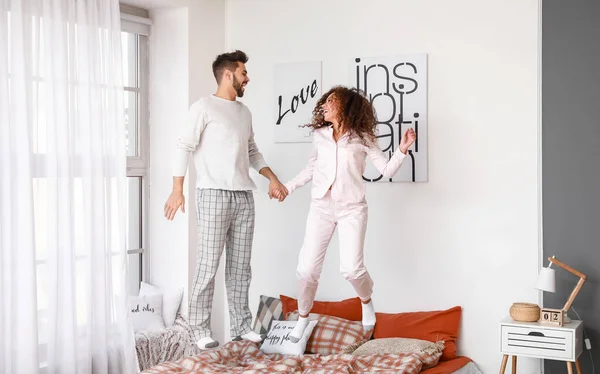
(546, 280)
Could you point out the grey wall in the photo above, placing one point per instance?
(571, 158)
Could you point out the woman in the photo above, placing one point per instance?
(344, 126)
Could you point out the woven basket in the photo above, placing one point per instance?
(525, 312)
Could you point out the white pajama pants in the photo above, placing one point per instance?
(225, 220)
(323, 217)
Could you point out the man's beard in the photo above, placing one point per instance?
(237, 86)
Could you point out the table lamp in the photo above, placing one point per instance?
(547, 282)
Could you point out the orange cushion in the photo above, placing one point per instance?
(431, 326)
(349, 309)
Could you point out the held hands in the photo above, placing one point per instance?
(277, 190)
(174, 202)
(408, 138)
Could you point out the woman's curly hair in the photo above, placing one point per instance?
(355, 113)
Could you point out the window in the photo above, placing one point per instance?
(134, 39)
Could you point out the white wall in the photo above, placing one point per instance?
(206, 41)
(169, 81)
(467, 237)
(184, 40)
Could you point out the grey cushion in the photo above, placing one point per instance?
(269, 309)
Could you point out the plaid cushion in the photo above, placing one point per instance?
(333, 335)
(269, 309)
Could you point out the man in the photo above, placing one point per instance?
(219, 134)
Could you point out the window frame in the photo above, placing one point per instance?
(138, 166)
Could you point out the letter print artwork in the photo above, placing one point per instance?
(397, 87)
(297, 90)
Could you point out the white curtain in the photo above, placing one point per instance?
(62, 189)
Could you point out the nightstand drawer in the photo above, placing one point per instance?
(539, 342)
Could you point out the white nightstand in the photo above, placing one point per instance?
(532, 339)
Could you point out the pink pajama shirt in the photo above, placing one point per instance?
(338, 199)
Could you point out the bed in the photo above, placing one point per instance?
(336, 345)
(459, 365)
(246, 357)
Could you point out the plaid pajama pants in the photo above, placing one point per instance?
(225, 219)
